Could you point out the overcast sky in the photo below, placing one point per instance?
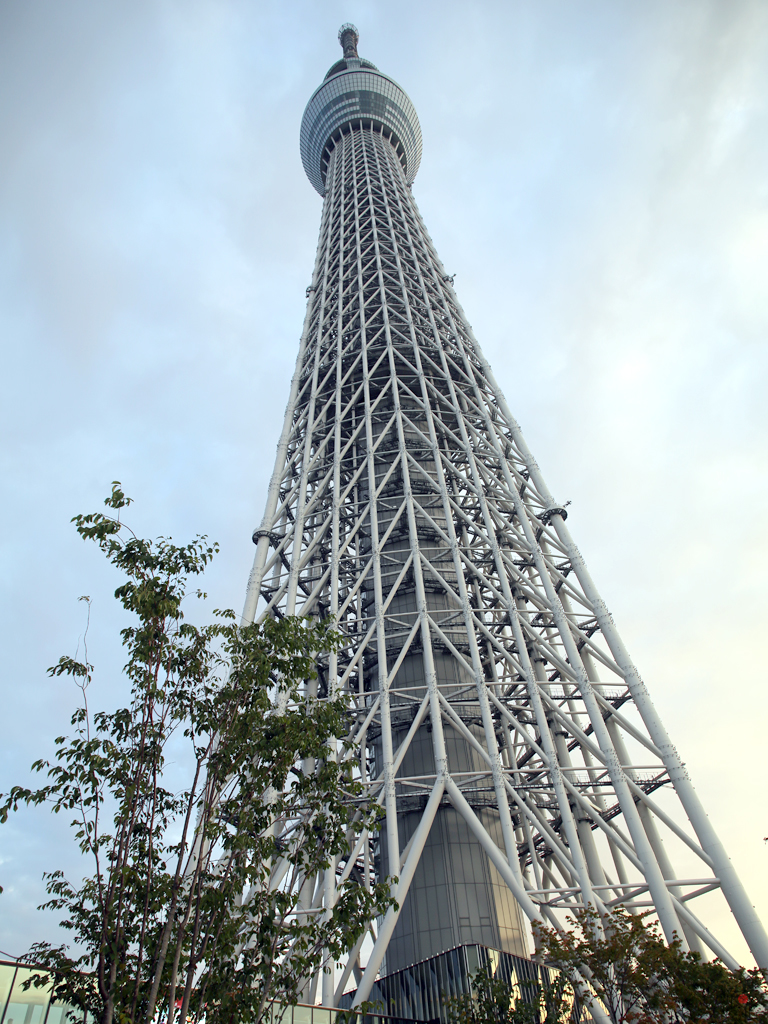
(595, 173)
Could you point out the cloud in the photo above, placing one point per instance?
(594, 173)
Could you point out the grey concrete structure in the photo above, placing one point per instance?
(521, 767)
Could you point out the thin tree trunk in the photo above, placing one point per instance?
(109, 1005)
(183, 925)
(168, 927)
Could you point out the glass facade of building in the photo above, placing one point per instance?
(418, 993)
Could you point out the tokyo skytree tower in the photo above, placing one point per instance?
(521, 768)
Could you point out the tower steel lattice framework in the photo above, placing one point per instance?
(521, 768)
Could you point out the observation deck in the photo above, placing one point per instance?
(354, 93)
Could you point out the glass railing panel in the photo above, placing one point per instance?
(7, 972)
(58, 1014)
(302, 1015)
(26, 1007)
(281, 1014)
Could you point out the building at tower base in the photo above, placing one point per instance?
(420, 992)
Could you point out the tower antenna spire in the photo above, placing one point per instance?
(348, 37)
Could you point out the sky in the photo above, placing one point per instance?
(595, 173)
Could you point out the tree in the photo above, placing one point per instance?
(641, 980)
(493, 1000)
(200, 895)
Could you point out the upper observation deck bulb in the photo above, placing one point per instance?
(348, 37)
(355, 95)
